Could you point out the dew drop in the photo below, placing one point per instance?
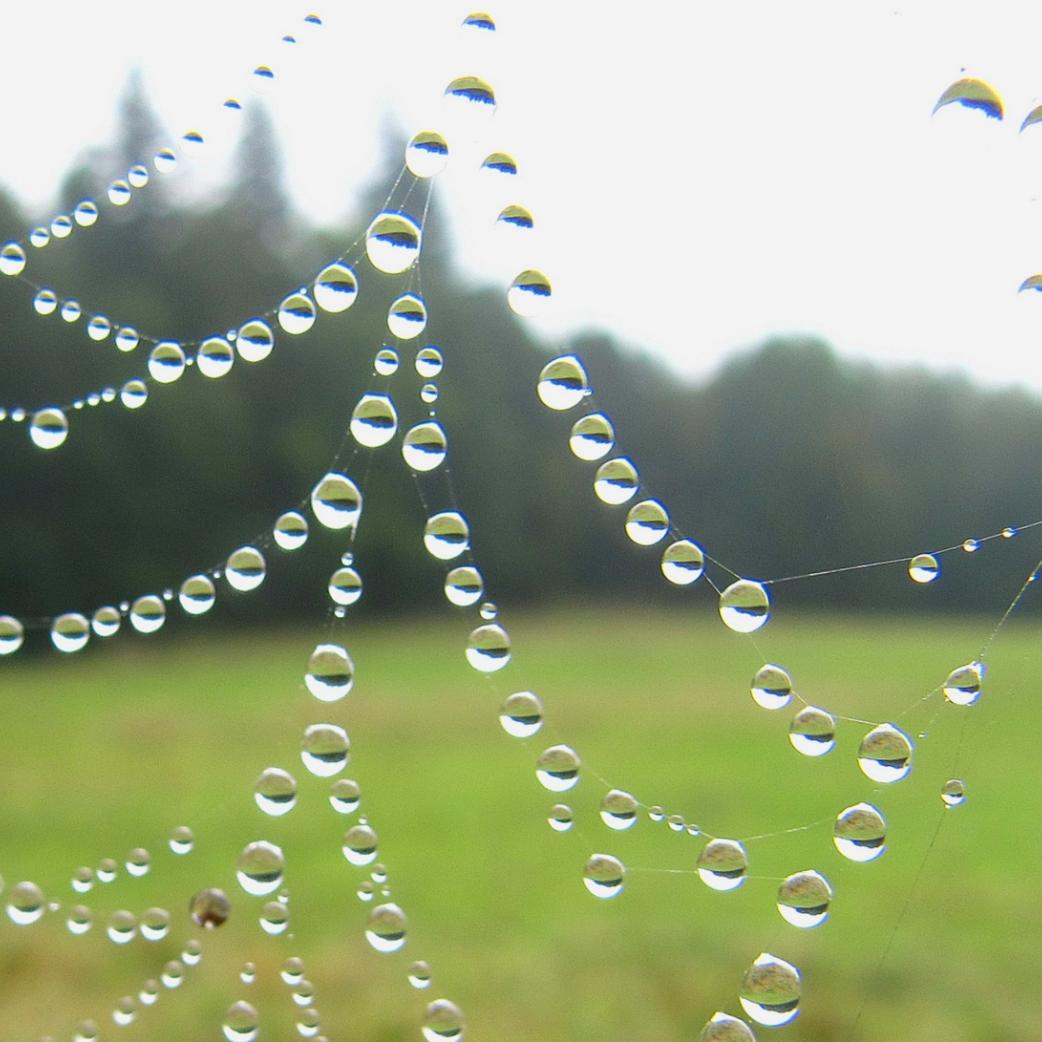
(125, 1012)
(724, 1028)
(860, 832)
(296, 314)
(127, 338)
(804, 898)
(345, 796)
(138, 862)
(604, 875)
(683, 562)
(488, 648)
(166, 363)
(147, 613)
(345, 587)
(25, 904)
(647, 522)
(98, 328)
(45, 302)
(61, 226)
(464, 586)
(12, 259)
(274, 918)
(258, 864)
(770, 992)
(245, 569)
(386, 362)
(79, 920)
(374, 420)
(407, 316)
(924, 568)
(953, 793)
(426, 154)
(745, 606)
(722, 864)
(500, 163)
(292, 972)
(963, 685)
(619, 810)
(972, 93)
(70, 632)
(771, 687)
(12, 633)
(515, 218)
(563, 384)
(240, 1022)
(155, 924)
(336, 502)
(330, 672)
(260, 868)
(248, 973)
(138, 175)
(336, 288)
(39, 238)
(172, 975)
(813, 732)
(529, 293)
(443, 1022)
(83, 880)
(386, 928)
(424, 446)
(165, 161)
(446, 535)
(197, 594)
(360, 845)
(291, 530)
(275, 791)
(521, 714)
(428, 362)
(561, 817)
(971, 546)
(616, 481)
(325, 749)
(134, 394)
(558, 768)
(592, 437)
(119, 192)
(254, 340)
(48, 428)
(392, 242)
(121, 927)
(215, 357)
(182, 840)
(86, 213)
(429, 394)
(885, 754)
(365, 891)
(472, 93)
(107, 869)
(420, 975)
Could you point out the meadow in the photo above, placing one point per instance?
(112, 749)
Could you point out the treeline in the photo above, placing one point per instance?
(787, 461)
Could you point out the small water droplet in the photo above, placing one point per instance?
(515, 218)
(472, 93)
(182, 840)
(86, 213)
(25, 903)
(420, 975)
(98, 328)
(172, 975)
(336, 502)
(248, 973)
(119, 192)
(121, 927)
(770, 991)
(592, 437)
(254, 340)
(407, 316)
(446, 535)
(325, 749)
(972, 93)
(563, 383)
(803, 899)
(425, 446)
(165, 161)
(134, 394)
(724, 1028)
(292, 972)
(616, 481)
(722, 864)
(953, 793)
(374, 421)
(79, 920)
(963, 685)
(521, 715)
(488, 648)
(443, 1022)
(330, 672)
(125, 1012)
(885, 754)
(291, 530)
(464, 586)
(70, 632)
(558, 768)
(860, 832)
(345, 587)
(147, 613)
(240, 1022)
(345, 796)
(45, 302)
(813, 731)
(619, 810)
(500, 163)
(166, 363)
(529, 293)
(48, 428)
(386, 928)
(604, 875)
(260, 868)
(12, 259)
(647, 522)
(924, 568)
(138, 862)
(771, 688)
(561, 817)
(336, 288)
(392, 242)
(275, 791)
(296, 314)
(745, 606)
(197, 594)
(155, 924)
(259, 864)
(426, 154)
(428, 362)
(215, 357)
(274, 918)
(245, 569)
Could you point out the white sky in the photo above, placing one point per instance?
(702, 175)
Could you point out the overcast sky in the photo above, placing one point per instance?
(702, 175)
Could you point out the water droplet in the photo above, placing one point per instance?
(259, 864)
(48, 428)
(374, 420)
(107, 869)
(472, 93)
(215, 357)
(425, 446)
(121, 927)
(155, 924)
(500, 163)
(12, 259)
(813, 732)
(429, 362)
(166, 363)
(127, 338)
(443, 1022)
(86, 213)
(330, 672)
(488, 648)
(260, 868)
(1009, 533)
(240, 1022)
(972, 94)
(125, 1012)
(274, 918)
(563, 384)
(345, 796)
(558, 768)
(515, 217)
(138, 862)
(656, 814)
(604, 875)
(365, 891)
(39, 238)
(771, 688)
(275, 791)
(336, 288)
(147, 613)
(561, 818)
(83, 879)
(192, 142)
(724, 1028)
(254, 340)
(138, 175)
(296, 313)
(345, 587)
(172, 975)
(392, 242)
(325, 749)
(745, 606)
(420, 975)
(722, 864)
(971, 546)
(963, 686)
(245, 569)
(291, 530)
(427, 154)
(98, 328)
(165, 161)
(953, 793)
(336, 501)
(592, 437)
(803, 899)
(61, 226)
(647, 522)
(464, 586)
(119, 192)
(885, 754)
(248, 973)
(304, 993)
(924, 568)
(619, 810)
(262, 77)
(446, 535)
(386, 362)
(770, 992)
(70, 632)
(12, 633)
(429, 394)
(860, 832)
(134, 394)
(529, 293)
(79, 920)
(616, 481)
(407, 316)
(360, 845)
(25, 904)
(521, 715)
(182, 840)
(292, 972)
(45, 302)
(386, 928)
(197, 594)
(683, 562)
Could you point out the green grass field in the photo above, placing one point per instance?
(110, 750)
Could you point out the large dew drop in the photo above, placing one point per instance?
(923, 568)
(260, 868)
(562, 383)
(25, 904)
(745, 606)
(724, 1028)
(770, 991)
(392, 242)
(803, 899)
(166, 363)
(972, 94)
(860, 832)
(443, 1022)
(647, 522)
(616, 481)
(336, 501)
(386, 928)
(407, 316)
(291, 530)
(424, 446)
(70, 632)
(345, 796)
(255, 340)
(275, 791)
(558, 768)
(472, 92)
(592, 437)
(604, 875)
(771, 688)
(330, 673)
(360, 845)
(48, 428)
(488, 648)
(197, 594)
(374, 420)
(12, 633)
(963, 686)
(215, 357)
(446, 535)
(325, 749)
(245, 569)
(148, 613)
(296, 313)
(529, 293)
(619, 810)
(722, 864)
(464, 586)
(885, 754)
(426, 154)
(336, 288)
(561, 817)
(240, 1022)
(521, 714)
(12, 259)
(345, 587)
